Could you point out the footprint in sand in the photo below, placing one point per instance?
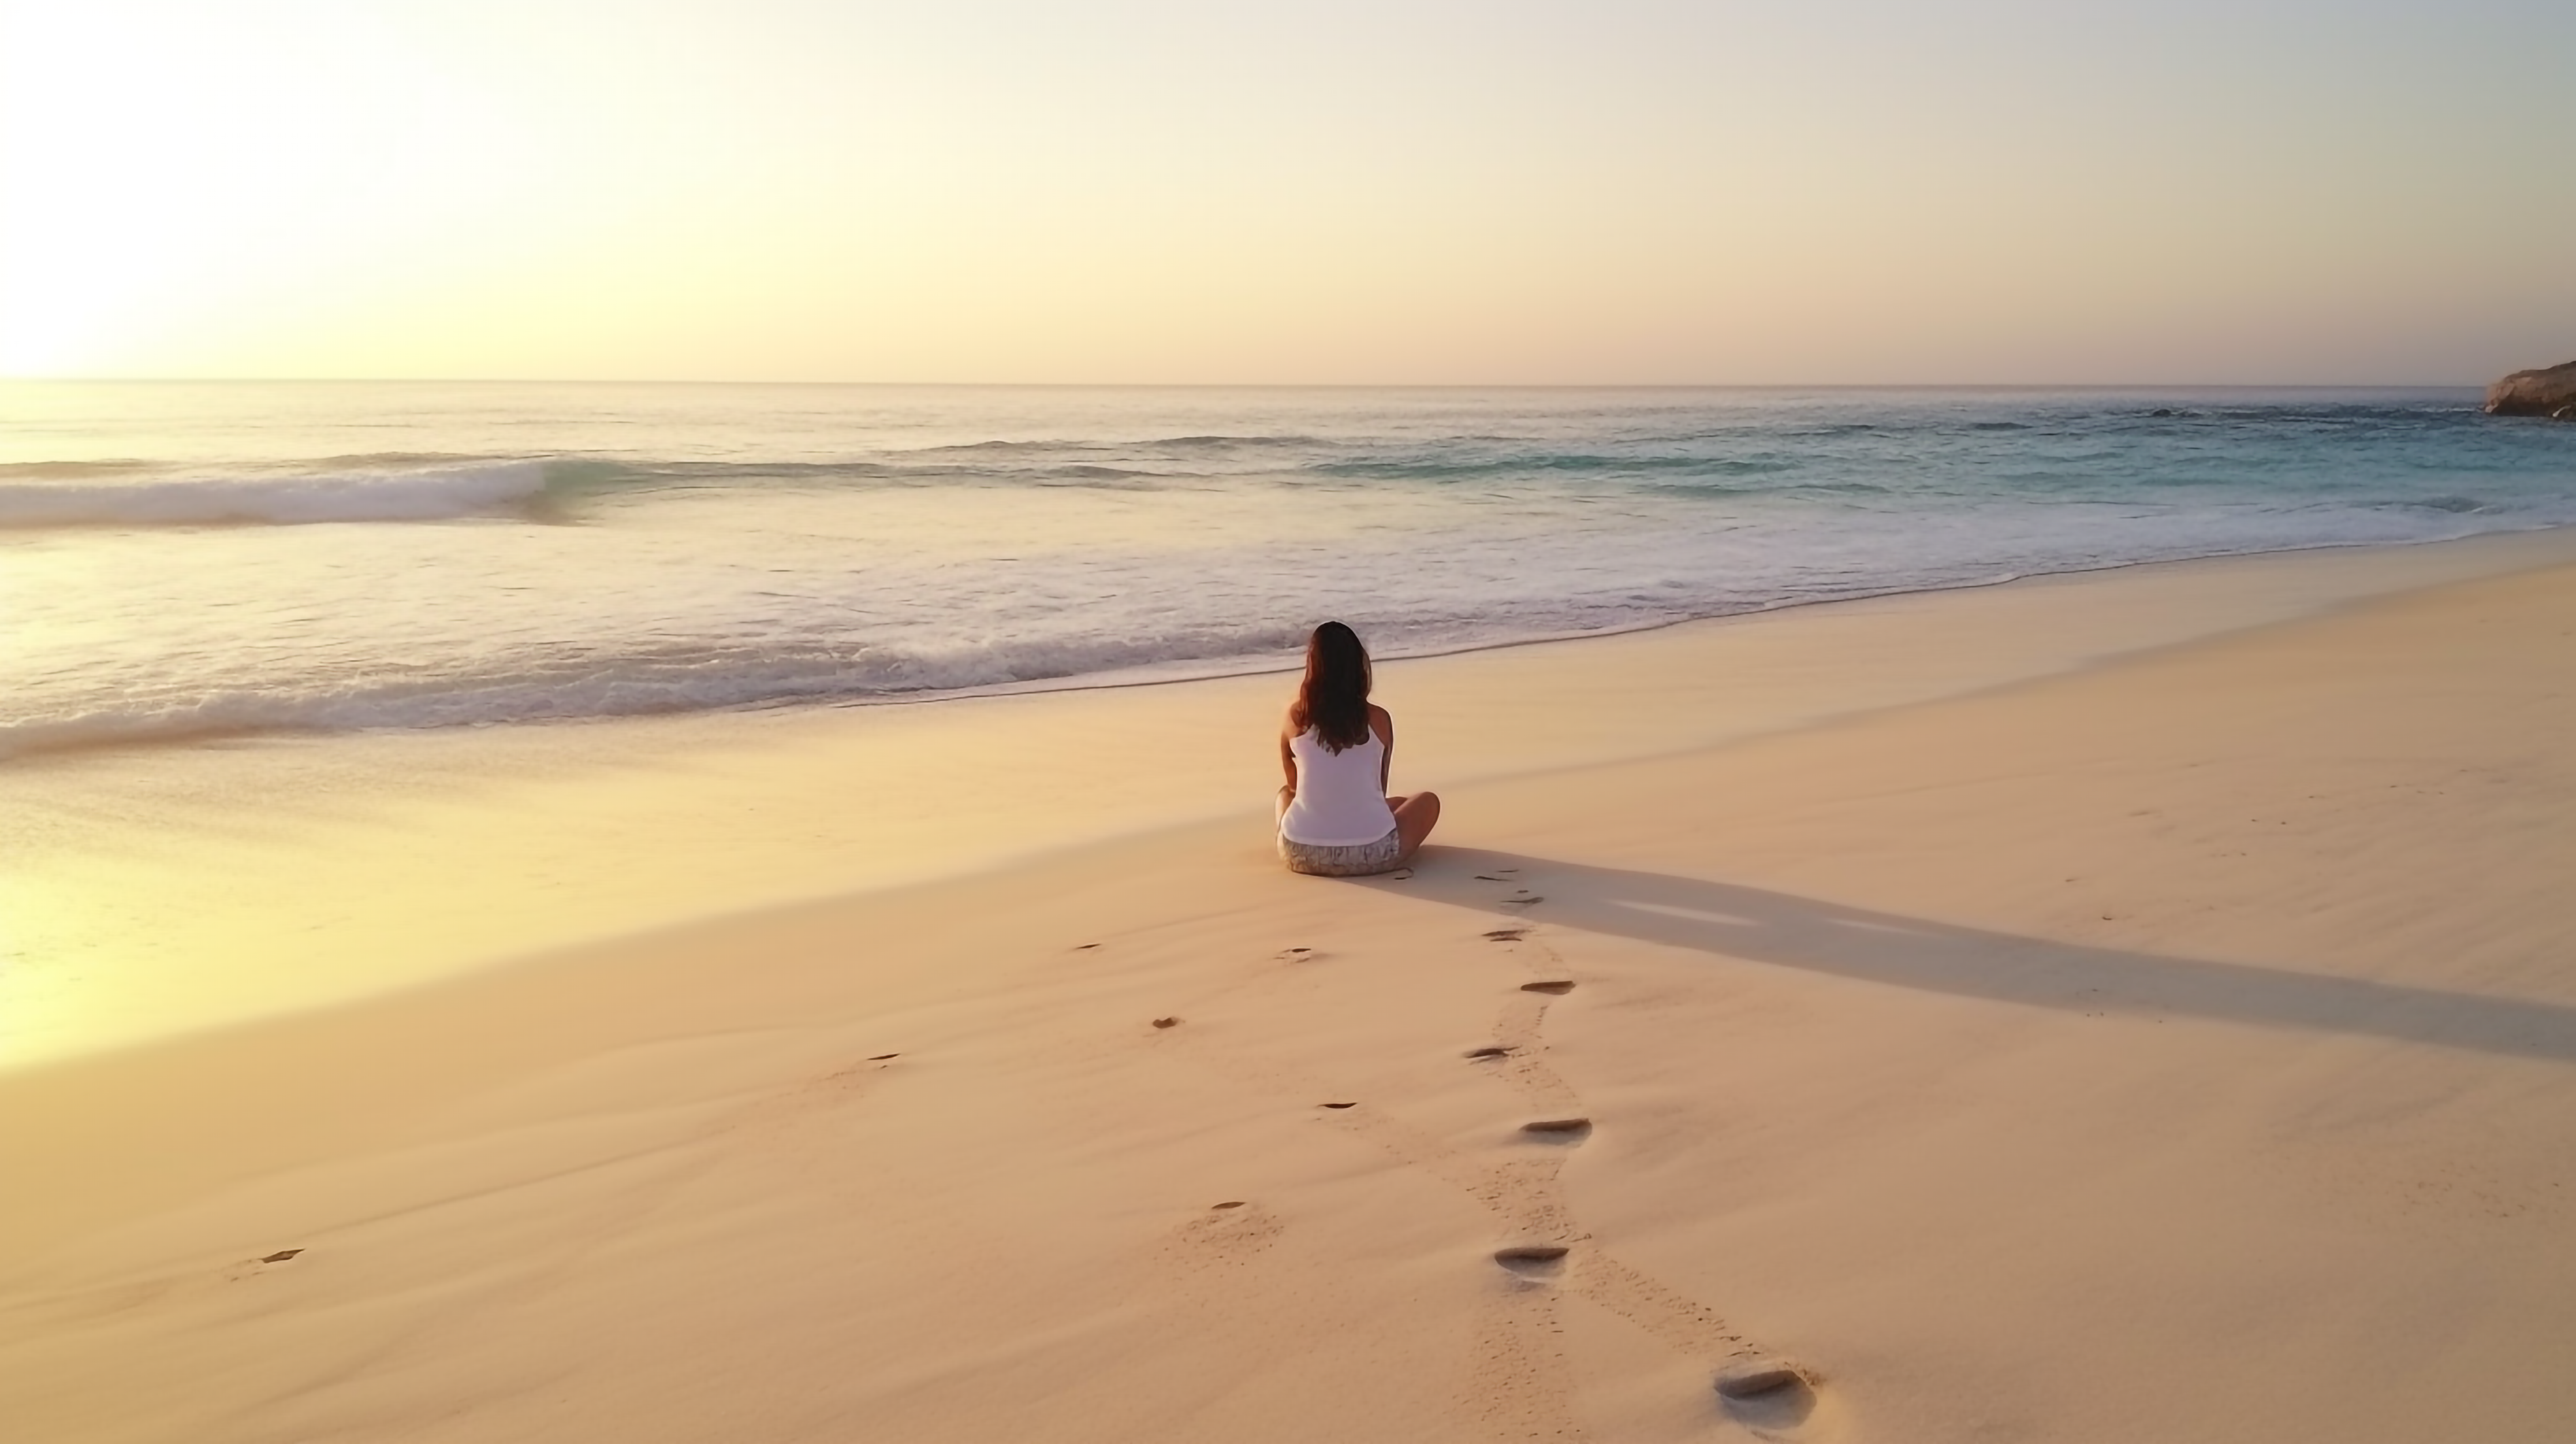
(1167, 1022)
(1753, 1378)
(281, 1256)
(1558, 986)
(1487, 1053)
(1506, 935)
(1533, 1260)
(1228, 1232)
(1337, 1105)
(1768, 1394)
(883, 1057)
(1558, 1130)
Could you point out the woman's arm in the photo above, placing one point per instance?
(1288, 762)
(1384, 722)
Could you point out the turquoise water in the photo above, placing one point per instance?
(179, 559)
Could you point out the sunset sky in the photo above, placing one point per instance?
(1872, 191)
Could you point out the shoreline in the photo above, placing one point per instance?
(1153, 674)
(1993, 1006)
(127, 849)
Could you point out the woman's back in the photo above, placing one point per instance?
(1335, 819)
(1341, 796)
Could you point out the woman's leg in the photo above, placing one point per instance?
(1415, 816)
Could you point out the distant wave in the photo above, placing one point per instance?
(57, 470)
(396, 488)
(1009, 447)
(1166, 443)
(1544, 462)
(418, 494)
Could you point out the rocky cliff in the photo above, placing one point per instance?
(2549, 392)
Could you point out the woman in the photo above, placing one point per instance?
(1335, 819)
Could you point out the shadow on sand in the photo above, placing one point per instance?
(1796, 932)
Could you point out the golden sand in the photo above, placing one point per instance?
(2125, 1007)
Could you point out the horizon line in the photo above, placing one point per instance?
(1266, 385)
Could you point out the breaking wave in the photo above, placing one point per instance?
(684, 677)
(435, 493)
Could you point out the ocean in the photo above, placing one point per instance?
(180, 560)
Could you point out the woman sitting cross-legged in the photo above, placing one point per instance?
(1335, 817)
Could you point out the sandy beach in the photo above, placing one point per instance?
(2134, 1006)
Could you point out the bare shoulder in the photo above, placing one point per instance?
(1381, 721)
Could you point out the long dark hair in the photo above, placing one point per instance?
(1334, 697)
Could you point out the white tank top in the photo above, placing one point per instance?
(1340, 800)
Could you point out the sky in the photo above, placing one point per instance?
(1867, 192)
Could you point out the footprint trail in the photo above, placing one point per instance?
(1753, 1386)
(1523, 1386)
